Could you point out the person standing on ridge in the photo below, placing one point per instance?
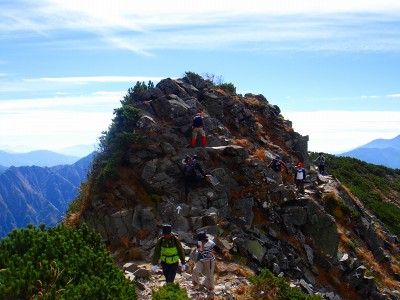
(299, 178)
(321, 163)
(169, 250)
(198, 128)
(205, 262)
(190, 168)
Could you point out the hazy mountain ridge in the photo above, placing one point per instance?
(32, 194)
(76, 150)
(40, 158)
(385, 152)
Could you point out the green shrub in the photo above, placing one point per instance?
(115, 142)
(59, 263)
(268, 286)
(227, 86)
(171, 291)
(373, 184)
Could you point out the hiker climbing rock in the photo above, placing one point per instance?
(277, 165)
(198, 128)
(169, 250)
(321, 163)
(300, 177)
(205, 262)
(190, 168)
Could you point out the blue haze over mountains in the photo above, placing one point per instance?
(33, 194)
(385, 152)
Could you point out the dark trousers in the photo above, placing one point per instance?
(300, 185)
(321, 169)
(190, 183)
(169, 271)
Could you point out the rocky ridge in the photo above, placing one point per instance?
(249, 210)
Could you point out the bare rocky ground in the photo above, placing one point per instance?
(229, 279)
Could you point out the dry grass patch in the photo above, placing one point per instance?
(243, 143)
(259, 154)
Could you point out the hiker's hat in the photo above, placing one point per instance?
(201, 236)
(167, 229)
(300, 164)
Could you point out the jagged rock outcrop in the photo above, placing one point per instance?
(249, 209)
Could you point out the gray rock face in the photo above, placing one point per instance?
(240, 203)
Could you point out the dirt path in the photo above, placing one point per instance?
(229, 278)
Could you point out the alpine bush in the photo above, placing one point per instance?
(171, 291)
(267, 286)
(59, 263)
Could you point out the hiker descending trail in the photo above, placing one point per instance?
(300, 178)
(321, 163)
(205, 263)
(169, 250)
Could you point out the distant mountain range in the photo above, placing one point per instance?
(77, 150)
(33, 194)
(385, 152)
(39, 158)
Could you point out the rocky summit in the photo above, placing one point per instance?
(251, 211)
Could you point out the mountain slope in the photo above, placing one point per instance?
(40, 158)
(385, 152)
(384, 143)
(35, 194)
(326, 241)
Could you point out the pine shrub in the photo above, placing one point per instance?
(171, 291)
(59, 263)
(267, 286)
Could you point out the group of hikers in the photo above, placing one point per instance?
(277, 164)
(169, 249)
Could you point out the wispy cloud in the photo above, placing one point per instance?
(49, 84)
(80, 80)
(140, 27)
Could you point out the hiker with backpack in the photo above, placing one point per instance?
(198, 128)
(277, 164)
(300, 177)
(169, 250)
(190, 168)
(205, 262)
(321, 163)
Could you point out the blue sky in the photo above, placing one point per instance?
(332, 68)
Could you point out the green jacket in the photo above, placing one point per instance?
(168, 251)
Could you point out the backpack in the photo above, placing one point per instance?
(197, 121)
(190, 167)
(276, 166)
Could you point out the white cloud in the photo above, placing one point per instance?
(52, 123)
(338, 131)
